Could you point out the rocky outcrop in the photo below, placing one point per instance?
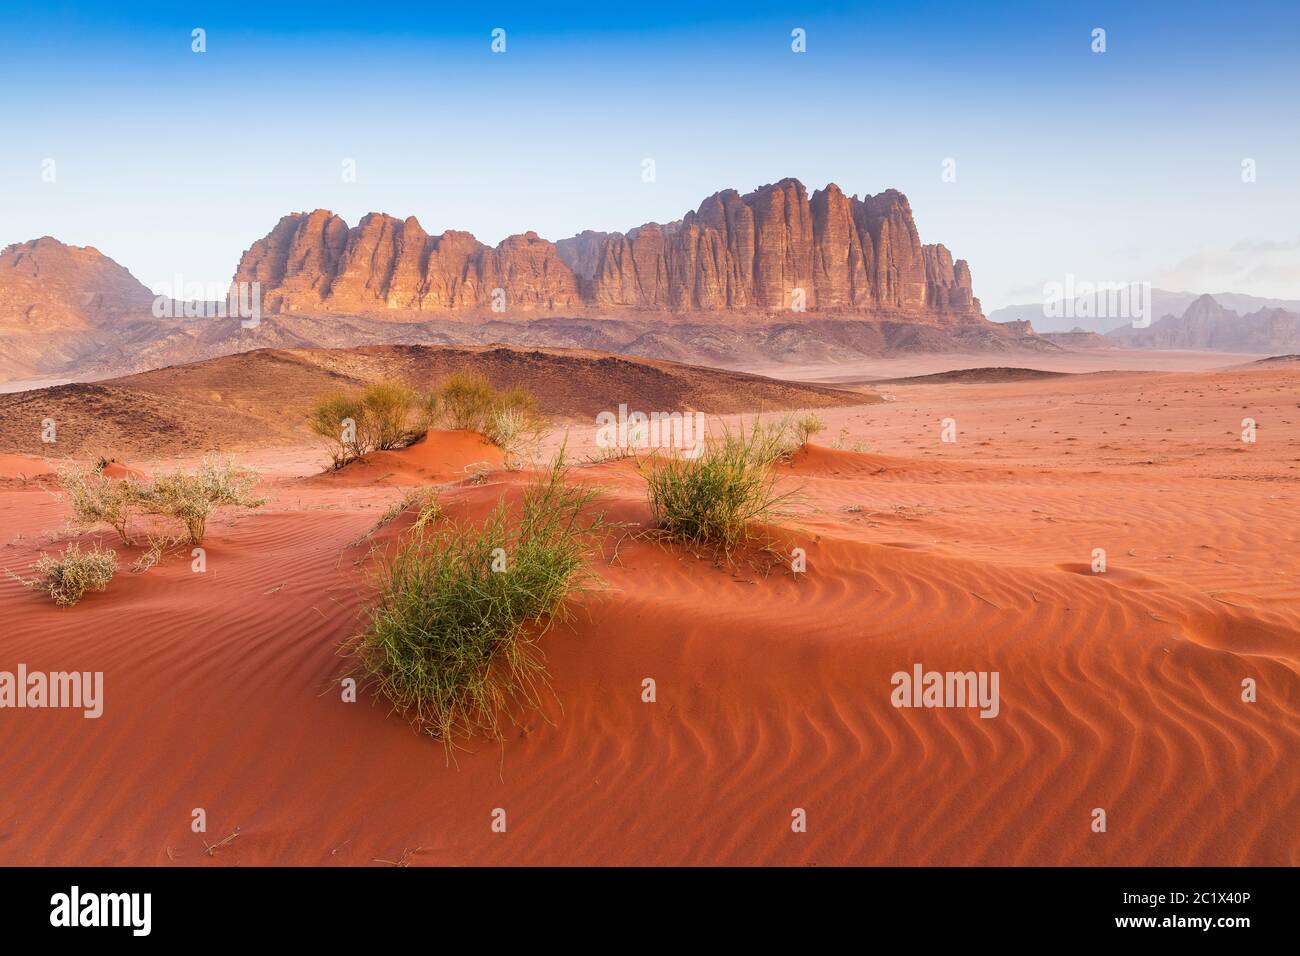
(311, 261)
(582, 253)
(770, 251)
(947, 283)
(765, 251)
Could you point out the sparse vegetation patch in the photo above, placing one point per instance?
(452, 641)
(67, 577)
(192, 498)
(715, 499)
(390, 414)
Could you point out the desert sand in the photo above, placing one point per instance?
(1120, 690)
(1058, 360)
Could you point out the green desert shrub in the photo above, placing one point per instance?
(452, 641)
(516, 398)
(427, 409)
(391, 414)
(514, 425)
(773, 441)
(386, 409)
(67, 577)
(807, 425)
(191, 498)
(714, 498)
(95, 498)
(334, 420)
(466, 399)
(386, 414)
(508, 419)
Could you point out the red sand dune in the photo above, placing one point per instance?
(440, 457)
(1119, 690)
(23, 466)
(118, 470)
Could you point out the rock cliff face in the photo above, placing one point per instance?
(69, 312)
(721, 285)
(765, 252)
(313, 260)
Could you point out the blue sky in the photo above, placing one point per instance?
(1120, 166)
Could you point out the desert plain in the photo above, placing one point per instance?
(1123, 690)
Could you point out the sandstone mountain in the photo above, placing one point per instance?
(60, 304)
(752, 252)
(766, 252)
(717, 287)
(312, 262)
(1209, 326)
(47, 286)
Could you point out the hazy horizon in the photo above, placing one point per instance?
(1117, 166)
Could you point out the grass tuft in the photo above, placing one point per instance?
(716, 498)
(425, 498)
(452, 641)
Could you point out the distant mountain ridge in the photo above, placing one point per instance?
(1163, 303)
(1207, 325)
